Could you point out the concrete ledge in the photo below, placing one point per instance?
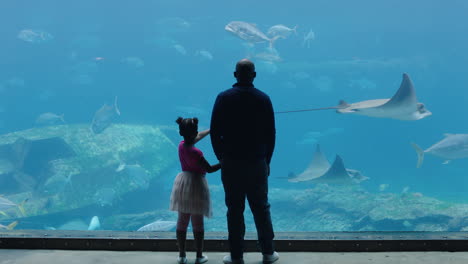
(217, 242)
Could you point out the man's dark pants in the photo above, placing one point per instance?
(247, 179)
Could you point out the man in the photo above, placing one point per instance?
(243, 138)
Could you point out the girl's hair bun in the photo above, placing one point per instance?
(179, 120)
(195, 120)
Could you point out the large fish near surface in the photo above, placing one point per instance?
(104, 117)
(11, 226)
(6, 204)
(249, 32)
(94, 224)
(138, 175)
(49, 119)
(159, 226)
(453, 146)
(281, 31)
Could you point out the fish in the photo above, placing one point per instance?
(6, 204)
(135, 62)
(453, 146)
(58, 183)
(105, 196)
(11, 226)
(320, 171)
(34, 36)
(204, 54)
(281, 31)
(78, 224)
(72, 225)
(159, 225)
(249, 32)
(405, 189)
(179, 48)
(104, 117)
(267, 66)
(269, 55)
(94, 224)
(308, 38)
(49, 119)
(383, 186)
(172, 25)
(402, 106)
(138, 175)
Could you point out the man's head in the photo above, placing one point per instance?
(245, 72)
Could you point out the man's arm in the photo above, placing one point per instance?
(270, 130)
(216, 128)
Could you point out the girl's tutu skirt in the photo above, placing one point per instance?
(190, 194)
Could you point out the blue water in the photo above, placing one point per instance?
(83, 66)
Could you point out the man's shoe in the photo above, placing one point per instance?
(227, 260)
(201, 260)
(270, 258)
(182, 260)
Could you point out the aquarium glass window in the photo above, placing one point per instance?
(369, 97)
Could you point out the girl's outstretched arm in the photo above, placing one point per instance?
(201, 135)
(209, 168)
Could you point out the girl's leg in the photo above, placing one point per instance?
(199, 235)
(181, 232)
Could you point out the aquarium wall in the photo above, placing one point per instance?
(370, 100)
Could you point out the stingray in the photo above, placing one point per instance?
(403, 105)
(316, 168)
(320, 171)
(338, 174)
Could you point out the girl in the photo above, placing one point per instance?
(190, 195)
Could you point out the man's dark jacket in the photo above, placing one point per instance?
(243, 125)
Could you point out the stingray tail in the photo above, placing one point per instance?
(420, 153)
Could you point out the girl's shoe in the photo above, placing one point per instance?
(182, 260)
(203, 259)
